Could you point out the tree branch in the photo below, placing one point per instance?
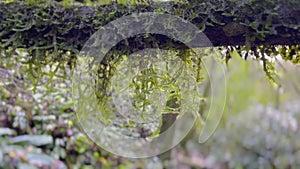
(226, 23)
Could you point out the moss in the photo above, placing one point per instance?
(54, 33)
(38, 25)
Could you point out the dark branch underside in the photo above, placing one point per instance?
(226, 23)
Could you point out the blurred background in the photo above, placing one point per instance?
(259, 129)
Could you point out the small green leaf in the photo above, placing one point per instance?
(37, 140)
(7, 131)
(45, 160)
(26, 166)
(235, 54)
(44, 118)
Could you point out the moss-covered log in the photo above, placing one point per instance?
(51, 26)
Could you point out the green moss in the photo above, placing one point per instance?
(53, 32)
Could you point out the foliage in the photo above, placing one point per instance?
(53, 33)
(149, 79)
(38, 47)
(267, 139)
(39, 130)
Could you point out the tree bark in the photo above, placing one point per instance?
(228, 23)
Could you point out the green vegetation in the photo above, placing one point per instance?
(39, 45)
